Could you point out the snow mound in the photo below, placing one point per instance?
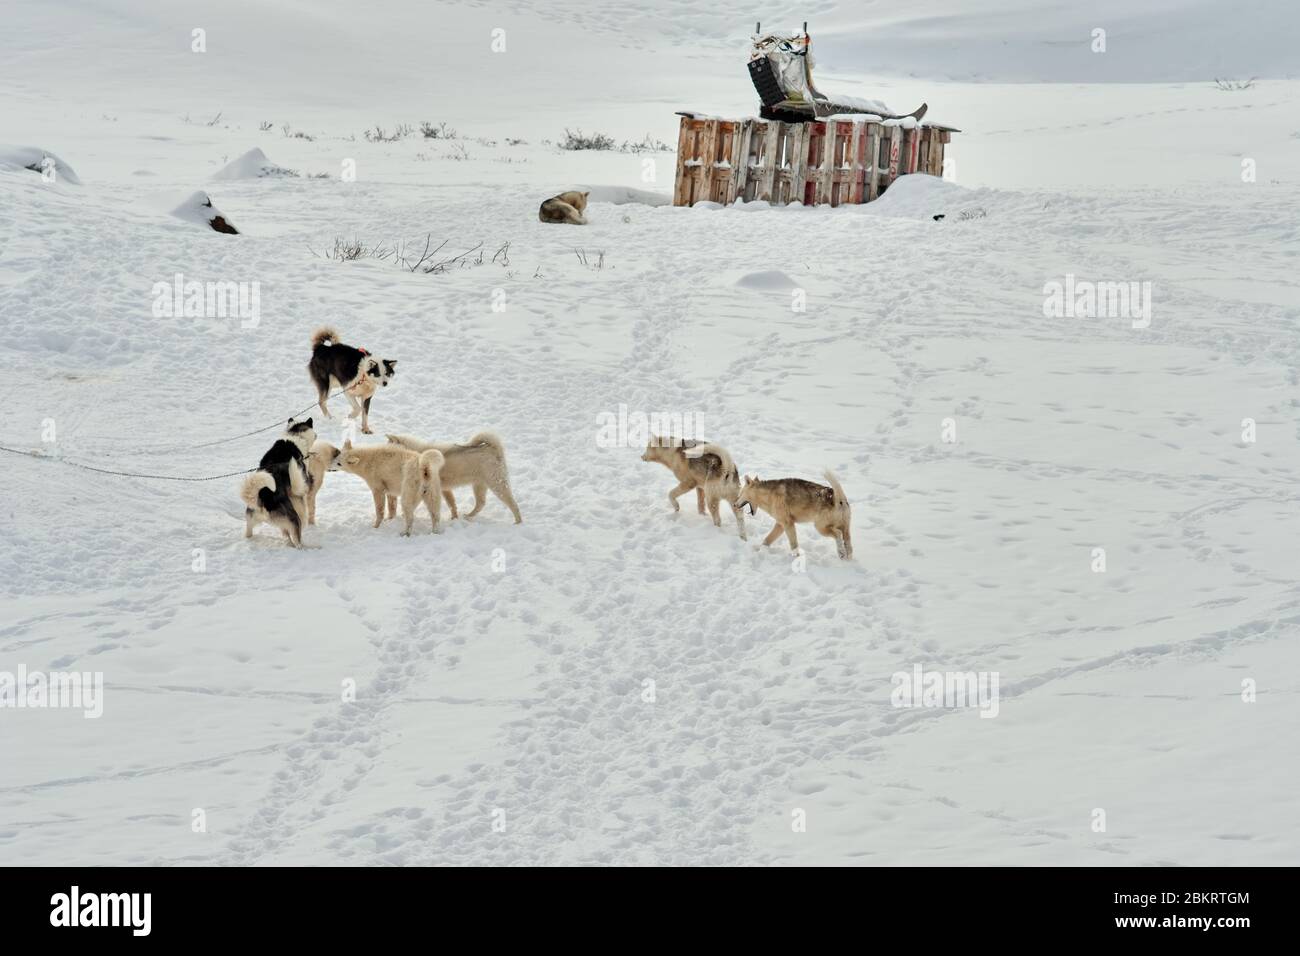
(768, 281)
(36, 159)
(198, 209)
(623, 195)
(252, 165)
(920, 196)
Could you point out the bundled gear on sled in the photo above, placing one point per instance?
(781, 67)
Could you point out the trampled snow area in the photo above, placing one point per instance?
(609, 682)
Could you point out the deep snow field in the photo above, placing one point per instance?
(501, 713)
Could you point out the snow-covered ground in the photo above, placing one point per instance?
(609, 682)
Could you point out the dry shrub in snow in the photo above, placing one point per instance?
(580, 140)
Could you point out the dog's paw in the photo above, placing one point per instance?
(367, 431)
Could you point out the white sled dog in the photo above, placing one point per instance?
(396, 474)
(318, 465)
(792, 500)
(479, 462)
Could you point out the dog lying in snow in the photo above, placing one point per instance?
(395, 474)
(566, 207)
(479, 462)
(354, 370)
(792, 500)
(276, 493)
(704, 466)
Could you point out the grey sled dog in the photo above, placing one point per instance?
(479, 462)
(704, 466)
(792, 500)
(566, 207)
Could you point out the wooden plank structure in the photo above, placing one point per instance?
(824, 162)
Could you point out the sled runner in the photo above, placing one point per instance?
(780, 67)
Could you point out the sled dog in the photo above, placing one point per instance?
(318, 463)
(396, 474)
(791, 500)
(356, 371)
(566, 207)
(704, 466)
(479, 462)
(275, 493)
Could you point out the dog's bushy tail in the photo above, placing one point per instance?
(325, 335)
(431, 466)
(253, 486)
(489, 438)
(708, 448)
(841, 500)
(299, 479)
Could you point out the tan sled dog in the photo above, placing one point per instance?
(397, 473)
(479, 462)
(706, 467)
(318, 465)
(566, 207)
(791, 500)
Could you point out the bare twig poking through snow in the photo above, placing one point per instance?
(378, 135)
(578, 140)
(264, 126)
(647, 145)
(441, 131)
(430, 259)
(346, 250)
(424, 256)
(597, 263)
(215, 120)
(1232, 86)
(460, 259)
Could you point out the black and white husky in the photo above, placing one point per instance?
(355, 370)
(276, 492)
